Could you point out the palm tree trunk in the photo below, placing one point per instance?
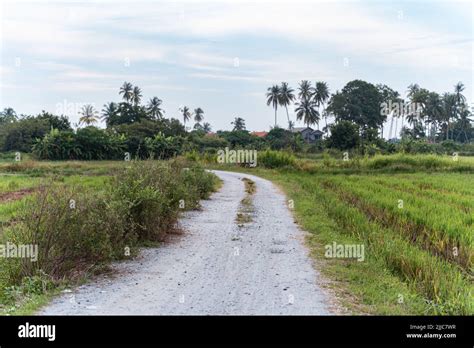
(275, 117)
(447, 130)
(287, 115)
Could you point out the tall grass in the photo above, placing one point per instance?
(276, 159)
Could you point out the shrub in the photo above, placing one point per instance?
(155, 192)
(88, 143)
(152, 193)
(76, 230)
(72, 229)
(199, 183)
(344, 136)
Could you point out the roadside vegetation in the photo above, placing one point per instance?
(80, 223)
(413, 214)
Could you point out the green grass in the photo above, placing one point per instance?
(419, 257)
(10, 183)
(398, 163)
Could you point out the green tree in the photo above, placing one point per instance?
(305, 90)
(321, 95)
(307, 112)
(460, 102)
(273, 98)
(287, 96)
(239, 124)
(109, 111)
(126, 91)
(88, 115)
(8, 115)
(136, 95)
(433, 112)
(206, 127)
(60, 123)
(344, 135)
(358, 102)
(154, 108)
(198, 115)
(127, 114)
(413, 90)
(418, 99)
(186, 114)
(449, 111)
(279, 138)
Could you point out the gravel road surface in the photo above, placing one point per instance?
(216, 267)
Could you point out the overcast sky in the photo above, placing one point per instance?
(222, 55)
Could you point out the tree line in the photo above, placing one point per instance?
(436, 117)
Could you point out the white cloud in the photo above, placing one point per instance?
(115, 31)
(83, 45)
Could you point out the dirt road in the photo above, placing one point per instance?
(215, 267)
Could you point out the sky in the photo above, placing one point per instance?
(223, 55)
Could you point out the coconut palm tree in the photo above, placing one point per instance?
(458, 89)
(464, 123)
(126, 91)
(89, 115)
(198, 115)
(109, 111)
(433, 110)
(186, 114)
(412, 119)
(413, 89)
(136, 95)
(8, 115)
(291, 125)
(321, 95)
(239, 124)
(460, 99)
(287, 96)
(154, 109)
(305, 90)
(307, 112)
(273, 98)
(449, 110)
(206, 127)
(418, 99)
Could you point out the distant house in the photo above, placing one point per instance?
(260, 134)
(308, 134)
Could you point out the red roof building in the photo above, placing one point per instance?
(260, 134)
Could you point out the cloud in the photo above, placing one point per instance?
(178, 46)
(116, 31)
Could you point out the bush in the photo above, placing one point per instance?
(276, 159)
(72, 229)
(152, 192)
(344, 136)
(76, 230)
(88, 143)
(155, 193)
